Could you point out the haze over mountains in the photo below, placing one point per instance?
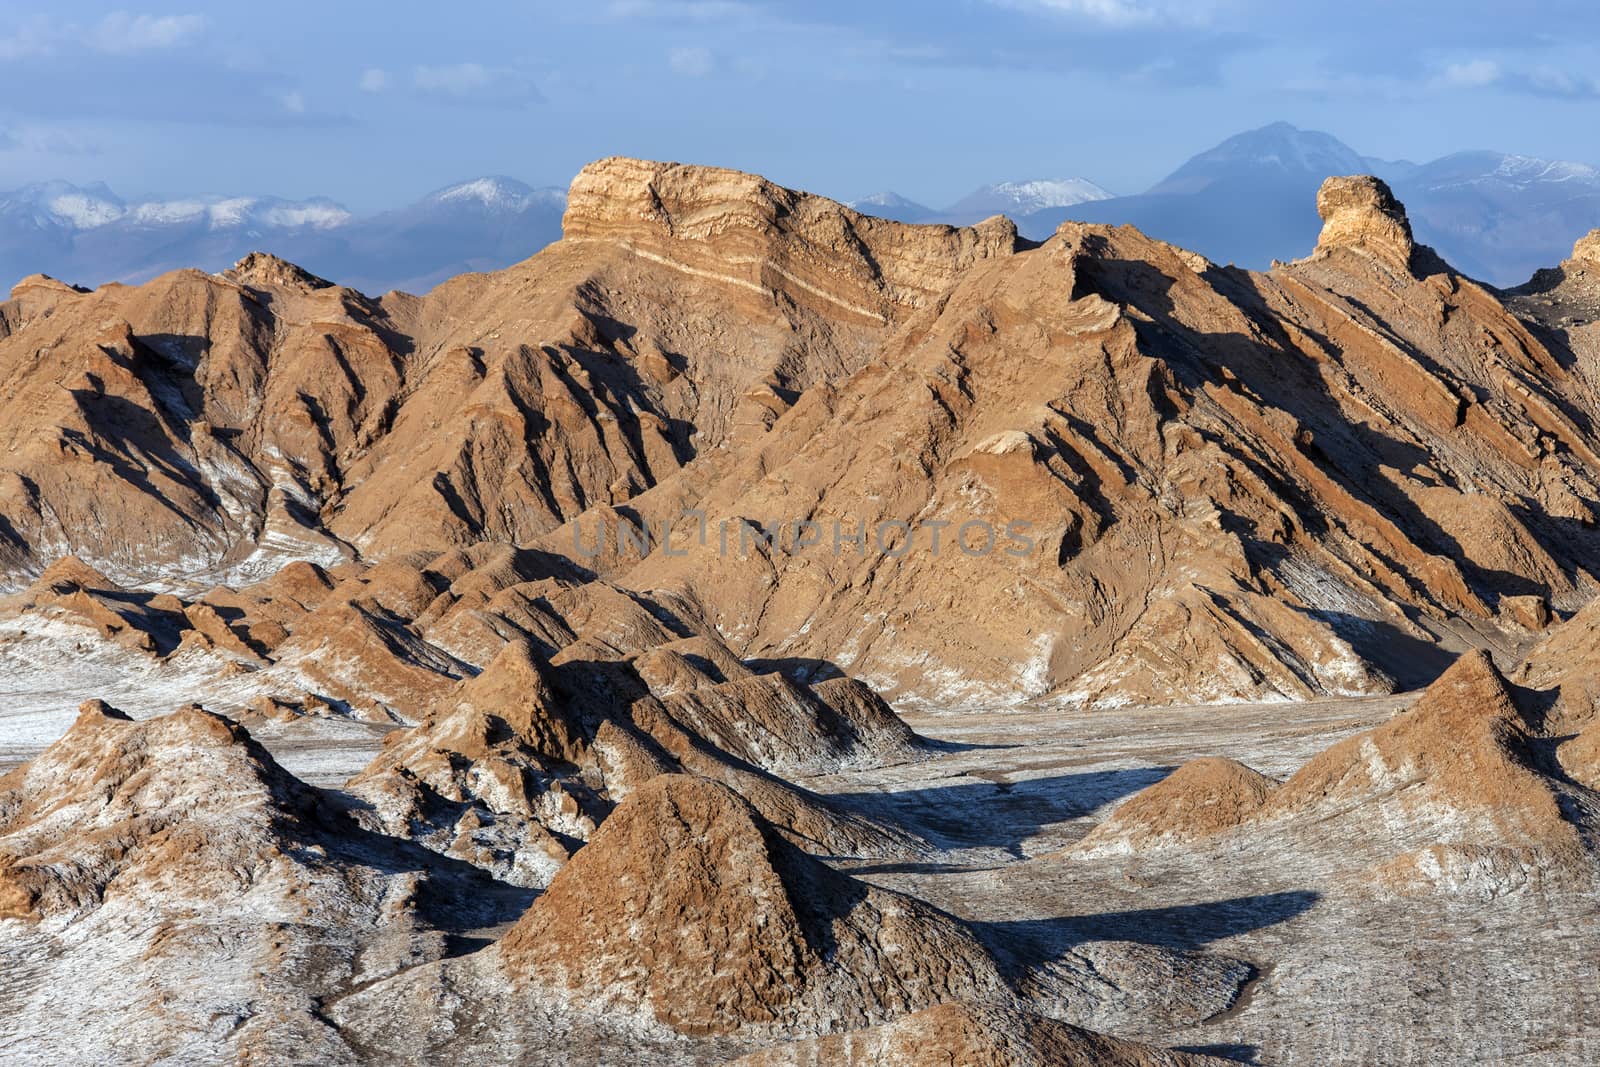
(1016, 199)
(1496, 217)
(88, 235)
(1247, 201)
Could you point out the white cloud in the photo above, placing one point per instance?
(119, 33)
(1111, 12)
(474, 83)
(294, 103)
(31, 37)
(1472, 74)
(374, 80)
(1552, 82)
(461, 79)
(680, 10)
(691, 62)
(1124, 14)
(1545, 81)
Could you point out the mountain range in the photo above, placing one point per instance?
(1016, 199)
(88, 235)
(1496, 217)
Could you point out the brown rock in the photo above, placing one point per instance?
(178, 807)
(1580, 756)
(1528, 611)
(1451, 791)
(1566, 663)
(1587, 248)
(688, 905)
(717, 221)
(1301, 460)
(784, 727)
(1360, 212)
(1202, 798)
(263, 270)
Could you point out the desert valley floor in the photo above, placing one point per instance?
(1338, 973)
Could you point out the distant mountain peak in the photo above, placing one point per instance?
(887, 198)
(494, 192)
(891, 205)
(1275, 149)
(1019, 198)
(83, 210)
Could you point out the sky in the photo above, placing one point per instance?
(375, 104)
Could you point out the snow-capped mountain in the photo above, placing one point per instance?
(1501, 217)
(891, 205)
(1002, 198)
(80, 208)
(1252, 199)
(1248, 200)
(1023, 198)
(499, 194)
(88, 234)
(1504, 171)
(478, 225)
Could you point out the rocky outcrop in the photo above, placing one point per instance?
(188, 802)
(1464, 752)
(741, 229)
(1586, 249)
(493, 775)
(174, 847)
(1360, 212)
(262, 270)
(794, 730)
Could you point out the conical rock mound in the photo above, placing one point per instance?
(688, 905)
(1202, 798)
(181, 807)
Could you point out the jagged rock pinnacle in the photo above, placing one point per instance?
(1361, 212)
(1587, 248)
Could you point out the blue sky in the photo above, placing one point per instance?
(374, 104)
